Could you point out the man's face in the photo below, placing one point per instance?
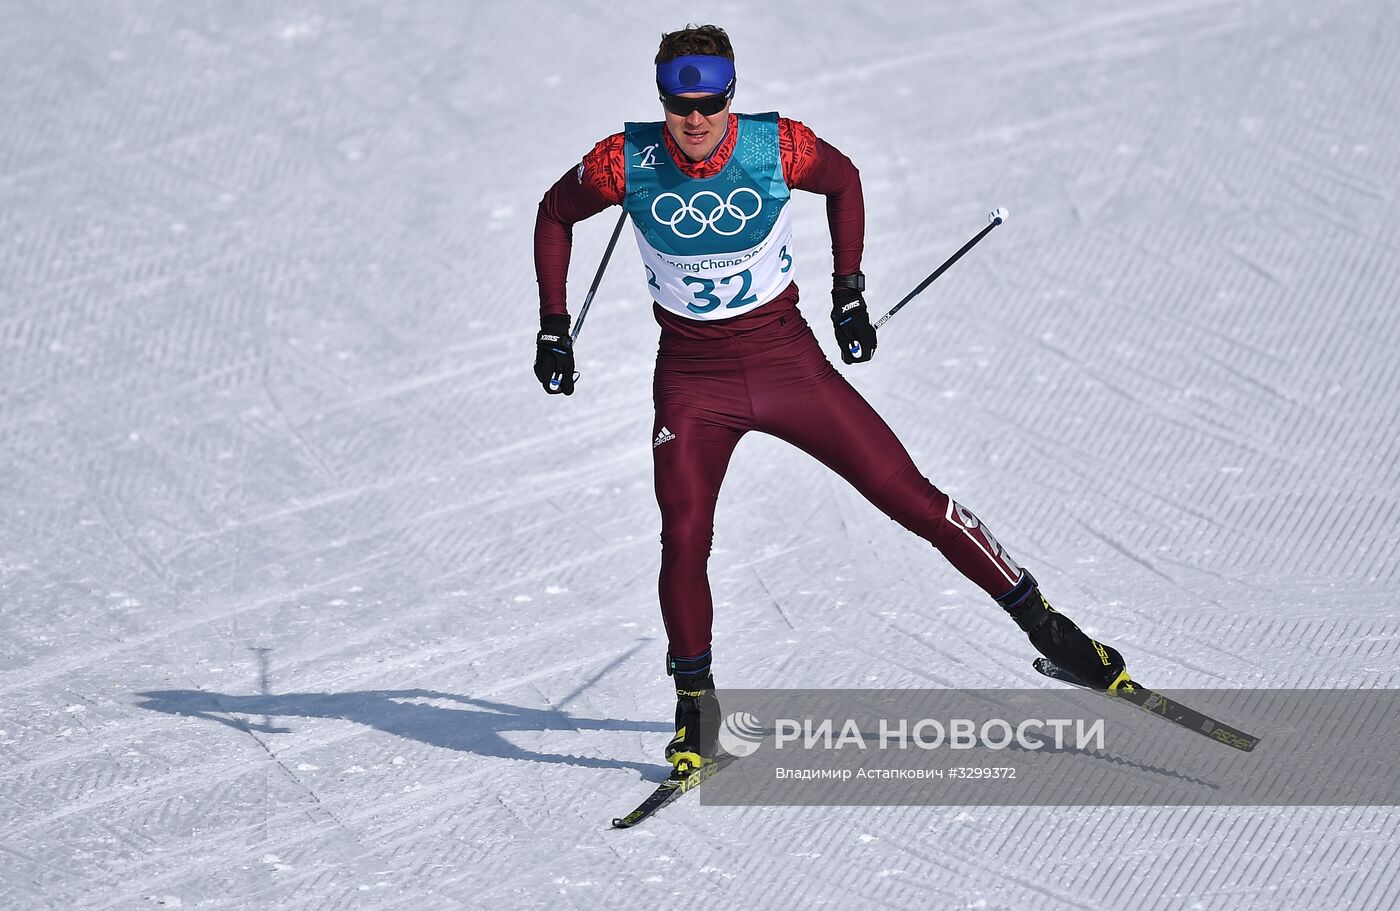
(696, 134)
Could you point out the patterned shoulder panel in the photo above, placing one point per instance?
(605, 168)
(797, 145)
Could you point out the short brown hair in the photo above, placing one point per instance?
(709, 40)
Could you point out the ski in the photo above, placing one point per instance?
(669, 790)
(1163, 706)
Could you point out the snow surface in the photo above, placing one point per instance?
(310, 598)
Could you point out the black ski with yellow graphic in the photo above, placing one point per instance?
(670, 789)
(1165, 707)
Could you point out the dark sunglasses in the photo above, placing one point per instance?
(708, 105)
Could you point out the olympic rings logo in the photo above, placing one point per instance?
(687, 213)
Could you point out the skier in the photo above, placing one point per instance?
(706, 190)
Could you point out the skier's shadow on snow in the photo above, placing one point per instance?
(470, 725)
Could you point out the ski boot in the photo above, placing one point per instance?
(1056, 637)
(697, 715)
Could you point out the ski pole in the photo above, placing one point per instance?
(998, 216)
(555, 380)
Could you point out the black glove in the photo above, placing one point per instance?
(554, 355)
(854, 334)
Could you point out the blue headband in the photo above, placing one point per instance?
(696, 73)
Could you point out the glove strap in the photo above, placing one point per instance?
(556, 321)
(854, 281)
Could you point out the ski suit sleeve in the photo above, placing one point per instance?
(585, 190)
(811, 164)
